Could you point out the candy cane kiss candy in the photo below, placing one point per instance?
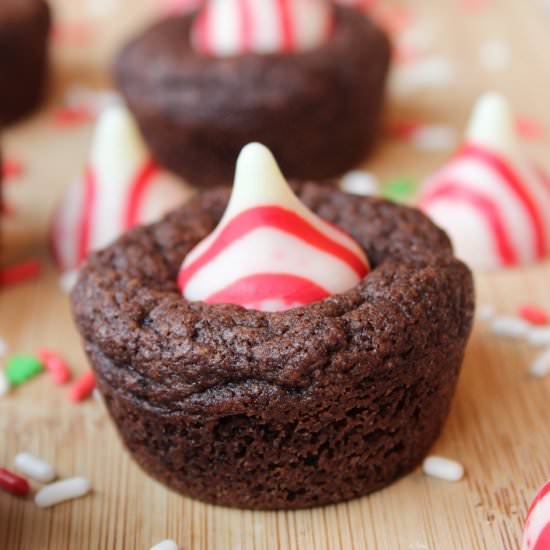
(269, 252)
(121, 187)
(536, 535)
(492, 201)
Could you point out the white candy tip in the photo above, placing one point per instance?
(116, 132)
(255, 160)
(492, 122)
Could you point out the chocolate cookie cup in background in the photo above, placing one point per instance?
(310, 406)
(197, 112)
(24, 30)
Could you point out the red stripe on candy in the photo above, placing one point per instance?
(13, 483)
(247, 24)
(203, 29)
(485, 207)
(285, 23)
(274, 286)
(137, 190)
(278, 218)
(85, 222)
(514, 184)
(543, 540)
(541, 494)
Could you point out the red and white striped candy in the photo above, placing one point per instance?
(494, 204)
(536, 535)
(121, 187)
(225, 28)
(269, 252)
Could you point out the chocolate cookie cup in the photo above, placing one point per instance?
(310, 406)
(197, 112)
(24, 31)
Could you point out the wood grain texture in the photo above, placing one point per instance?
(498, 427)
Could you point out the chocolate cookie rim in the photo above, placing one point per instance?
(193, 375)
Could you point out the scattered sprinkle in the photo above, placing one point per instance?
(434, 138)
(14, 484)
(20, 273)
(360, 182)
(73, 33)
(529, 128)
(21, 368)
(67, 117)
(5, 385)
(94, 101)
(67, 281)
(34, 467)
(55, 365)
(541, 365)
(61, 491)
(443, 468)
(399, 189)
(486, 312)
(494, 55)
(403, 129)
(83, 387)
(538, 336)
(510, 327)
(428, 73)
(12, 168)
(534, 314)
(165, 545)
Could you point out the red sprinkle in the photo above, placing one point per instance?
(20, 273)
(404, 129)
(13, 484)
(534, 315)
(73, 33)
(7, 209)
(55, 365)
(83, 387)
(12, 168)
(66, 117)
(529, 128)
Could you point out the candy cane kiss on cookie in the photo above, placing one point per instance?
(536, 535)
(269, 252)
(492, 201)
(121, 187)
(224, 28)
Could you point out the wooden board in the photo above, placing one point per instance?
(498, 427)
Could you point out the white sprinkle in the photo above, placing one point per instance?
(434, 138)
(94, 100)
(443, 468)
(510, 327)
(541, 365)
(360, 182)
(431, 72)
(34, 467)
(67, 281)
(165, 545)
(5, 385)
(494, 55)
(3, 347)
(539, 336)
(61, 491)
(486, 312)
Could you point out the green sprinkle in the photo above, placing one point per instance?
(20, 368)
(399, 189)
